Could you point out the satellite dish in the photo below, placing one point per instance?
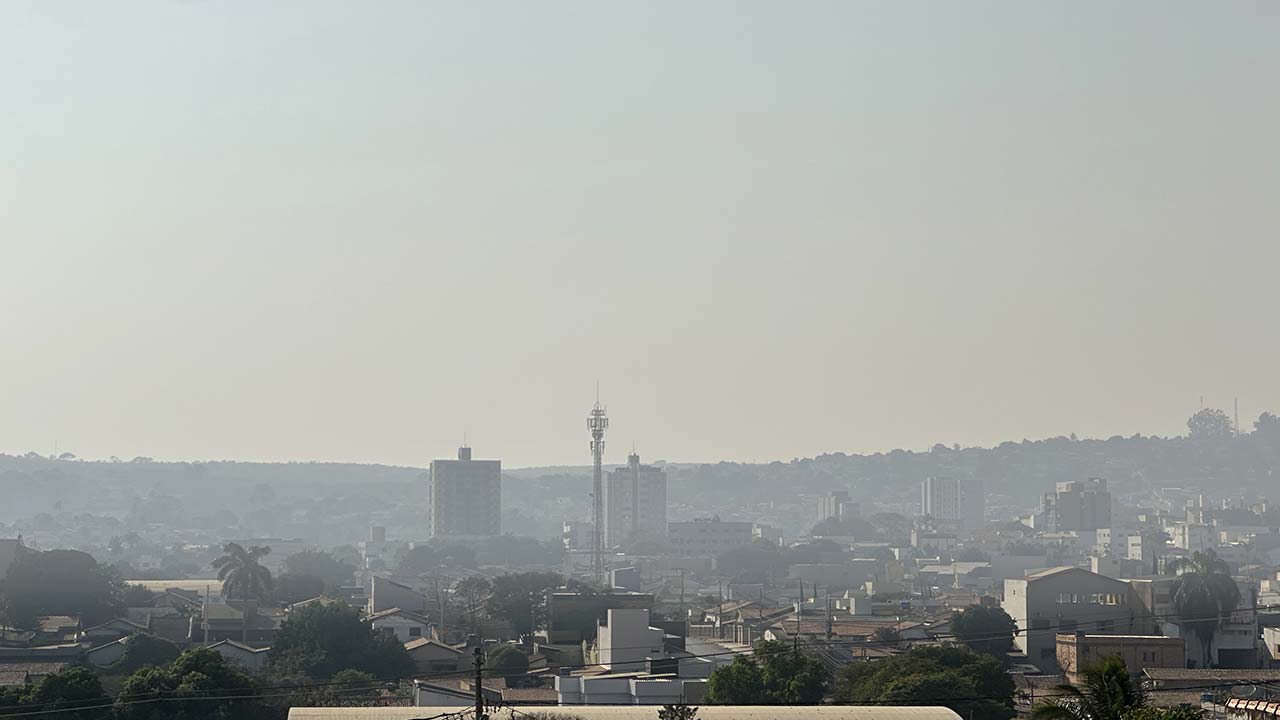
(1246, 692)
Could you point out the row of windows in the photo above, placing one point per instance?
(1094, 599)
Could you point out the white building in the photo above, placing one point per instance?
(958, 500)
(635, 502)
(404, 624)
(1193, 537)
(624, 641)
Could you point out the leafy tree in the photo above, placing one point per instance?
(1106, 692)
(143, 650)
(886, 635)
(1204, 596)
(1267, 427)
(65, 690)
(290, 588)
(972, 684)
(242, 575)
(511, 550)
(474, 594)
(522, 599)
(985, 630)
(1178, 712)
(775, 674)
(848, 527)
(757, 562)
(60, 582)
(199, 685)
(738, 683)
(433, 557)
(1210, 424)
(678, 712)
(321, 640)
(138, 596)
(347, 688)
(318, 564)
(507, 661)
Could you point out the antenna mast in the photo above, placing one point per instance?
(597, 423)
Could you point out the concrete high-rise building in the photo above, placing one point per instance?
(829, 505)
(959, 500)
(1077, 505)
(635, 502)
(466, 496)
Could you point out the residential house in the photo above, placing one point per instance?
(239, 620)
(385, 594)
(52, 629)
(249, 658)
(107, 654)
(111, 630)
(432, 656)
(20, 674)
(404, 624)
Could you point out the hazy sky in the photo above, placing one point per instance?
(319, 230)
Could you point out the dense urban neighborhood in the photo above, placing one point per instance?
(944, 591)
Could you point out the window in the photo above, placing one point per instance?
(415, 631)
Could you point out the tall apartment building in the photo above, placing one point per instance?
(1077, 505)
(953, 499)
(635, 502)
(466, 496)
(829, 505)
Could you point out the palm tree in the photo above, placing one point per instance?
(243, 577)
(1204, 596)
(1106, 692)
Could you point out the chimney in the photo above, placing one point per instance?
(464, 453)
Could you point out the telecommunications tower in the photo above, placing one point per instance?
(597, 423)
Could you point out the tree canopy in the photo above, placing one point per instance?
(143, 650)
(198, 685)
(972, 684)
(320, 565)
(1210, 424)
(985, 630)
(1106, 691)
(60, 582)
(521, 599)
(775, 674)
(1203, 597)
(74, 693)
(320, 640)
(242, 575)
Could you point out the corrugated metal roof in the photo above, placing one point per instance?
(639, 712)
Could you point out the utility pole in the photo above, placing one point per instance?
(479, 655)
(827, 602)
(683, 614)
(795, 644)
